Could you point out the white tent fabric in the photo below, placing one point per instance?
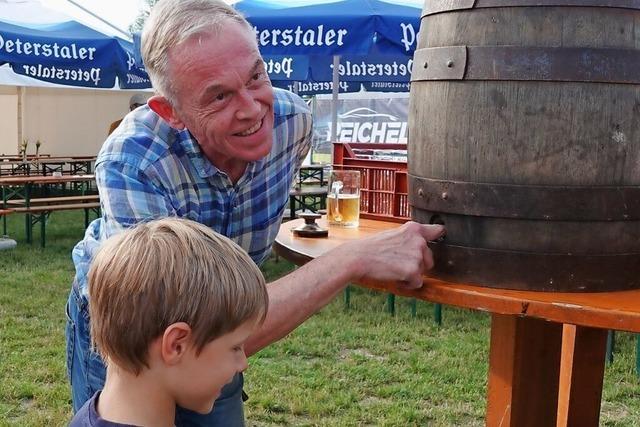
(44, 18)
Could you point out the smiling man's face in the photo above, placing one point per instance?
(224, 96)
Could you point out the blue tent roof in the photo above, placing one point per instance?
(298, 38)
(375, 39)
(49, 46)
(333, 27)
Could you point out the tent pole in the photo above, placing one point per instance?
(21, 96)
(124, 33)
(334, 99)
(314, 108)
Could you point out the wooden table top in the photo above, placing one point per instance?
(308, 191)
(609, 310)
(48, 179)
(12, 161)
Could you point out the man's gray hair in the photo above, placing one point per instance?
(171, 23)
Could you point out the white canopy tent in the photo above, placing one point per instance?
(67, 120)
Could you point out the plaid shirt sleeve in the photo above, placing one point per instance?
(128, 197)
(305, 145)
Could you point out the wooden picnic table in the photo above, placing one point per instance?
(19, 157)
(45, 165)
(547, 350)
(21, 187)
(46, 160)
(32, 158)
(44, 179)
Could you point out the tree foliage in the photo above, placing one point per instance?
(142, 16)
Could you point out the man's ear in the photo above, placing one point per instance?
(162, 107)
(176, 340)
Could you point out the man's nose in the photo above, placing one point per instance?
(248, 105)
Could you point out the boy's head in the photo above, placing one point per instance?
(173, 293)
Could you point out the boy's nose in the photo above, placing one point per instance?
(243, 363)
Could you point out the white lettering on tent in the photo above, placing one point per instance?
(131, 61)
(134, 79)
(366, 69)
(314, 36)
(315, 87)
(408, 36)
(54, 73)
(65, 51)
(399, 86)
(285, 66)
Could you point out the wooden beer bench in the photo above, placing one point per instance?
(5, 212)
(40, 213)
(17, 192)
(54, 200)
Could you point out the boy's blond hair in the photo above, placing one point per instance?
(167, 271)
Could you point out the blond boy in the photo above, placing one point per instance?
(172, 303)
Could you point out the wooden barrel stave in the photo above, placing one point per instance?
(534, 134)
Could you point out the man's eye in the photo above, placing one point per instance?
(257, 76)
(220, 97)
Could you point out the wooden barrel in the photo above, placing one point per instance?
(524, 141)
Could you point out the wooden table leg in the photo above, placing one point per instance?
(581, 376)
(524, 368)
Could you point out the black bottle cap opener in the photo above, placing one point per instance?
(310, 228)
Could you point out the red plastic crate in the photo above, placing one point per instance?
(383, 190)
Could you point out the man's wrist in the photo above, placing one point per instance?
(344, 262)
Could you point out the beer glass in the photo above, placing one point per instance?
(343, 198)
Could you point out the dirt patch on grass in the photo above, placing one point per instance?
(348, 353)
(612, 414)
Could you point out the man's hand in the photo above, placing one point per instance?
(400, 255)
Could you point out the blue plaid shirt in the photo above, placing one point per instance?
(146, 169)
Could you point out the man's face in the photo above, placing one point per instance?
(224, 96)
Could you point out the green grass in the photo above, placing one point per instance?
(353, 367)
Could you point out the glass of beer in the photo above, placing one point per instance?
(343, 198)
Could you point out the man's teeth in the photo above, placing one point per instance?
(251, 130)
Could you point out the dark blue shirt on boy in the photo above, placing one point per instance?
(88, 416)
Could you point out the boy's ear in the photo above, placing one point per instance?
(175, 342)
(162, 107)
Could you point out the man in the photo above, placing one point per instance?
(137, 100)
(218, 145)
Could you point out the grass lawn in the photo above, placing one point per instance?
(353, 367)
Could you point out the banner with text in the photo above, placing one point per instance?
(361, 119)
(333, 27)
(44, 44)
(364, 68)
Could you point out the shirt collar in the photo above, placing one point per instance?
(205, 168)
